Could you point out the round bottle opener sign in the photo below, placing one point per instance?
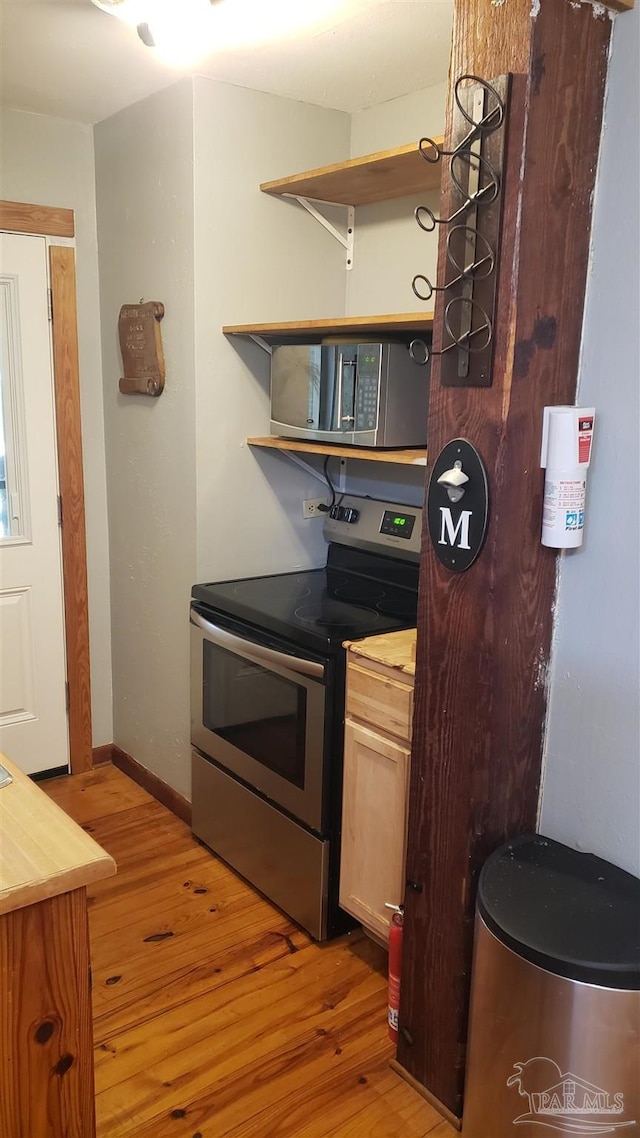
(458, 505)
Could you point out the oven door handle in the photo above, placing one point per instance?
(258, 653)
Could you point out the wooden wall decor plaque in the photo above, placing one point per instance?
(141, 347)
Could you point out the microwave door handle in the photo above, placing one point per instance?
(257, 653)
(338, 424)
(348, 395)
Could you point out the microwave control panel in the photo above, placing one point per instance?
(367, 387)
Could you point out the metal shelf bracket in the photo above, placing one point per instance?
(261, 343)
(346, 240)
(341, 484)
(306, 466)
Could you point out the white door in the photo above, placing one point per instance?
(33, 717)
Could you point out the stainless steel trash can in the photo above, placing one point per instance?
(554, 1034)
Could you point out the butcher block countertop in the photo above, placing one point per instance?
(393, 649)
(43, 852)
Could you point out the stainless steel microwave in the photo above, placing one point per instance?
(371, 395)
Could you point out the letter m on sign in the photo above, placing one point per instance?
(449, 532)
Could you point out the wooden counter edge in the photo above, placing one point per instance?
(46, 888)
(372, 648)
(96, 863)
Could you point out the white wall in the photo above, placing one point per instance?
(144, 179)
(258, 259)
(591, 794)
(389, 250)
(187, 499)
(50, 161)
(281, 265)
(389, 247)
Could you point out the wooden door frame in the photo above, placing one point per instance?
(52, 222)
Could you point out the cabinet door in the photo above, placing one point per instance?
(374, 810)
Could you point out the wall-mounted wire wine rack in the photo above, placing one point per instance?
(468, 291)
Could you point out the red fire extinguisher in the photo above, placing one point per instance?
(395, 965)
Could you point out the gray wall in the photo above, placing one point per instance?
(591, 794)
(50, 161)
(144, 180)
(181, 220)
(389, 250)
(258, 258)
(389, 247)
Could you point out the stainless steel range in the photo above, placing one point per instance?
(267, 703)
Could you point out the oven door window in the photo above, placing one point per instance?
(255, 710)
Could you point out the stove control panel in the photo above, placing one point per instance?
(381, 527)
(397, 523)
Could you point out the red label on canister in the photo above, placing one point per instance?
(585, 436)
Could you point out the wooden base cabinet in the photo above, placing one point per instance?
(46, 1032)
(375, 789)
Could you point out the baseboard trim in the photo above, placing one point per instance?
(52, 772)
(451, 1118)
(150, 782)
(104, 754)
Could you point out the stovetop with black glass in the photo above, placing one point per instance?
(368, 586)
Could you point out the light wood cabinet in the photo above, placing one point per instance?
(377, 754)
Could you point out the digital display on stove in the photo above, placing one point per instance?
(397, 525)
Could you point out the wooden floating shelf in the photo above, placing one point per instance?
(301, 330)
(415, 457)
(376, 177)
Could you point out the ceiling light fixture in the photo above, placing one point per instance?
(180, 29)
(183, 32)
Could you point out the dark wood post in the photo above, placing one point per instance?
(484, 635)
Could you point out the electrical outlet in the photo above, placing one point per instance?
(310, 508)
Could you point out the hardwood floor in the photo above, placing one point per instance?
(214, 1015)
